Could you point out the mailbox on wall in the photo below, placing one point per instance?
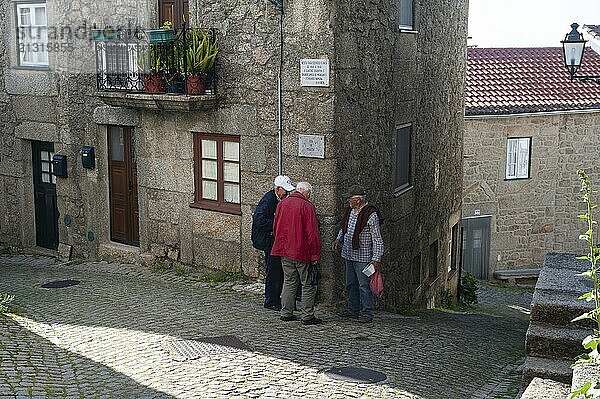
(59, 165)
(88, 158)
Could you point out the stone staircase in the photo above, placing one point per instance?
(553, 341)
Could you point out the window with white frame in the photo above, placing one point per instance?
(217, 172)
(406, 20)
(518, 151)
(32, 34)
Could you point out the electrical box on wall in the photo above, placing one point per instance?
(88, 158)
(59, 165)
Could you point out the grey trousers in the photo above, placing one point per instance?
(294, 273)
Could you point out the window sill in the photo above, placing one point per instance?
(232, 209)
(399, 192)
(451, 274)
(408, 30)
(517, 178)
(167, 102)
(432, 280)
(45, 68)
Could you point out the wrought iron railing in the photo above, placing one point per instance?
(139, 61)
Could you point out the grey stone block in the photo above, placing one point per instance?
(545, 340)
(554, 369)
(541, 388)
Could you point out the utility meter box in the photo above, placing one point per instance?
(88, 158)
(59, 165)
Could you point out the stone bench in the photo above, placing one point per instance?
(518, 276)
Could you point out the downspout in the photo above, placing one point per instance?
(279, 95)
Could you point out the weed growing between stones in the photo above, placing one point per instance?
(591, 342)
(5, 300)
(221, 276)
(468, 289)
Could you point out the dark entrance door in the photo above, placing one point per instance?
(176, 11)
(122, 172)
(44, 189)
(476, 246)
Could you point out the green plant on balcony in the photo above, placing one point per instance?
(200, 56)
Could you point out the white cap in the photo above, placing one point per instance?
(284, 182)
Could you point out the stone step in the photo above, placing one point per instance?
(544, 340)
(553, 369)
(559, 308)
(541, 388)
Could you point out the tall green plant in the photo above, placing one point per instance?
(201, 51)
(591, 342)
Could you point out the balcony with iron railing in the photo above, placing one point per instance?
(157, 69)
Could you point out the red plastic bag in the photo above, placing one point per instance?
(376, 284)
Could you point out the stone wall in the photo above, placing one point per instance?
(388, 78)
(379, 79)
(530, 217)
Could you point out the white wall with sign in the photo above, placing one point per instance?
(314, 72)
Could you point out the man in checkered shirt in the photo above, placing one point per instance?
(361, 243)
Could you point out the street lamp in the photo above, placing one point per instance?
(573, 48)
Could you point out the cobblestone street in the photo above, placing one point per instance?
(117, 335)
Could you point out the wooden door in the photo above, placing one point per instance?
(124, 214)
(176, 11)
(44, 188)
(476, 246)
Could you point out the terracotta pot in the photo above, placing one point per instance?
(196, 84)
(154, 84)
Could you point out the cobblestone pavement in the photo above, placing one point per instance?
(116, 334)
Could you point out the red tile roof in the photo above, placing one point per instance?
(524, 80)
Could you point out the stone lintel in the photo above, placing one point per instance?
(41, 131)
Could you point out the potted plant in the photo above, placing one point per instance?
(164, 34)
(152, 67)
(200, 56)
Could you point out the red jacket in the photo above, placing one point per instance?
(296, 230)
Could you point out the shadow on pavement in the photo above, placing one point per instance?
(33, 366)
(437, 355)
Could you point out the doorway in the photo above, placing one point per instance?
(122, 175)
(476, 246)
(44, 189)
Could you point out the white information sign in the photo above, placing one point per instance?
(314, 72)
(311, 146)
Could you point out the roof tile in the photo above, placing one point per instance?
(526, 80)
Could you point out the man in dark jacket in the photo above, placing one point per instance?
(262, 238)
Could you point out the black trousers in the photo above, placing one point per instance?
(274, 281)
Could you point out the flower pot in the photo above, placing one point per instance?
(154, 84)
(196, 84)
(160, 35)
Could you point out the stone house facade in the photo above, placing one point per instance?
(390, 118)
(528, 130)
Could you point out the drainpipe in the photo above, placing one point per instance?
(279, 105)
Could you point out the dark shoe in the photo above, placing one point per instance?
(312, 321)
(273, 307)
(365, 319)
(349, 315)
(288, 318)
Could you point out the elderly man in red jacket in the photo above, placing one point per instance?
(298, 242)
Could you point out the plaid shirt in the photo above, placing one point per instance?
(370, 242)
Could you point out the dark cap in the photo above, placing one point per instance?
(354, 190)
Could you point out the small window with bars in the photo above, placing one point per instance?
(46, 158)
